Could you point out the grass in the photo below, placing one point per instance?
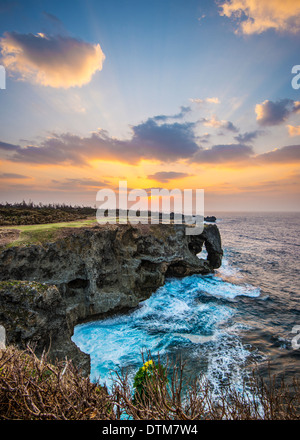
(43, 233)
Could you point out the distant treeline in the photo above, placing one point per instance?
(28, 213)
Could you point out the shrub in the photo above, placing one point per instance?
(151, 379)
(32, 388)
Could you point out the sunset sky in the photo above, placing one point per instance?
(161, 93)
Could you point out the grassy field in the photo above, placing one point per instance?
(43, 233)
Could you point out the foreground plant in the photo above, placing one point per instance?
(151, 378)
(178, 398)
(33, 388)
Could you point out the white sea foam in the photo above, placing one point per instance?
(227, 271)
(177, 318)
(197, 339)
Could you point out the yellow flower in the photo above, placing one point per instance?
(147, 364)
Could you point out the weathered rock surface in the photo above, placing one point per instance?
(91, 272)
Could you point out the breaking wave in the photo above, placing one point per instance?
(192, 318)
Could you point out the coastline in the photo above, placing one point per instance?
(46, 290)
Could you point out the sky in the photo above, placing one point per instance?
(174, 94)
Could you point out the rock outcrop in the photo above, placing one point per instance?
(210, 218)
(90, 272)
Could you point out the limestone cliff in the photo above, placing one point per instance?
(89, 272)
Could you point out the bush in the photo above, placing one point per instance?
(32, 388)
(151, 379)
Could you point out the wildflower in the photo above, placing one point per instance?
(147, 364)
(147, 379)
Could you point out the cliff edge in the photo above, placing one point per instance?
(89, 272)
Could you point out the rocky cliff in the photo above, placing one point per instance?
(89, 272)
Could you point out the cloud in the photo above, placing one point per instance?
(206, 100)
(164, 142)
(13, 176)
(183, 111)
(287, 154)
(227, 153)
(70, 184)
(165, 176)
(55, 61)
(9, 147)
(244, 155)
(294, 130)
(216, 123)
(204, 138)
(156, 139)
(150, 141)
(249, 136)
(257, 16)
(274, 113)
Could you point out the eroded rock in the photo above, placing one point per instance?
(90, 272)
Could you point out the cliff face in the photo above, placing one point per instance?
(91, 272)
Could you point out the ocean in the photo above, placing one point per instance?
(222, 325)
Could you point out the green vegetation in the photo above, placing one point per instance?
(30, 214)
(44, 233)
(149, 375)
(39, 224)
(25, 286)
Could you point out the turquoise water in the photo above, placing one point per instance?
(218, 324)
(191, 317)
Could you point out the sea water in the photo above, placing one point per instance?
(219, 324)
